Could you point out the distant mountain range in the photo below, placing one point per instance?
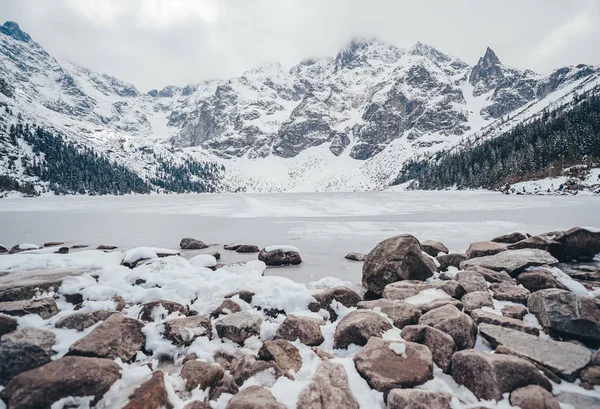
(344, 123)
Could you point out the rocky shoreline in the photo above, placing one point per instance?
(511, 322)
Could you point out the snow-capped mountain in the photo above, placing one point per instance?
(342, 123)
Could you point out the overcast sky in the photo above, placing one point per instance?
(153, 43)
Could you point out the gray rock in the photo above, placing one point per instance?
(395, 259)
(454, 323)
(23, 350)
(404, 289)
(358, 327)
(440, 344)
(400, 312)
(511, 237)
(307, 330)
(506, 291)
(578, 400)
(533, 397)
(254, 397)
(580, 243)
(152, 394)
(184, 331)
(425, 308)
(542, 242)
(475, 300)
(512, 261)
(567, 314)
(67, 376)
(203, 374)
(44, 307)
(491, 276)
(514, 311)
(484, 248)
(433, 248)
(328, 389)
(164, 309)
(471, 281)
(485, 317)
(189, 243)
(355, 256)
(450, 260)
(7, 324)
(565, 359)
(83, 320)
(538, 280)
(20, 247)
(384, 369)
(417, 399)
(279, 257)
(117, 337)
(342, 295)
(239, 326)
(489, 376)
(283, 352)
(247, 248)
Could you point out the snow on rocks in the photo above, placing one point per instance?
(239, 326)
(283, 352)
(342, 295)
(580, 243)
(203, 260)
(23, 350)
(358, 327)
(152, 394)
(280, 255)
(134, 256)
(83, 320)
(512, 261)
(23, 247)
(44, 307)
(184, 331)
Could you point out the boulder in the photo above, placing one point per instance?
(23, 247)
(475, 300)
(486, 317)
(450, 260)
(307, 330)
(400, 312)
(484, 248)
(283, 352)
(580, 244)
(328, 389)
(514, 311)
(542, 242)
(106, 247)
(565, 359)
(67, 376)
(401, 290)
(248, 366)
(355, 256)
(440, 344)
(567, 314)
(215, 254)
(62, 250)
(590, 376)
(83, 320)
(226, 385)
(425, 308)
(417, 399)
(280, 256)
(160, 310)
(387, 365)
(533, 397)
(342, 295)
(117, 337)
(358, 327)
(247, 248)
(23, 350)
(489, 376)
(506, 291)
(433, 248)
(3, 249)
(29, 284)
(231, 247)
(7, 324)
(254, 397)
(44, 307)
(511, 237)
(197, 373)
(197, 404)
(226, 307)
(152, 394)
(395, 259)
(471, 281)
(244, 295)
(491, 276)
(239, 326)
(189, 243)
(184, 331)
(512, 261)
(53, 243)
(538, 280)
(454, 323)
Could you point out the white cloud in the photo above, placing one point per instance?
(558, 40)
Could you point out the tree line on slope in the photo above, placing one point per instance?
(566, 136)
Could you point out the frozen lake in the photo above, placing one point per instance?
(324, 226)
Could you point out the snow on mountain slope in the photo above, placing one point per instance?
(342, 123)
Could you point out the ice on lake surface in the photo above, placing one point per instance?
(323, 226)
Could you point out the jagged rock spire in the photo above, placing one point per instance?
(490, 59)
(10, 28)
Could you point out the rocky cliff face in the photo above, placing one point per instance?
(367, 110)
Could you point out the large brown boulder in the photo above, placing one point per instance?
(567, 314)
(307, 330)
(538, 280)
(475, 300)
(400, 312)
(512, 261)
(395, 259)
(254, 397)
(489, 376)
(417, 399)
(239, 326)
(533, 397)
(358, 327)
(189, 243)
(23, 350)
(491, 276)
(484, 248)
(44, 307)
(280, 256)
(514, 311)
(67, 376)
(401, 290)
(440, 344)
(387, 365)
(152, 394)
(454, 323)
(433, 248)
(283, 352)
(83, 320)
(183, 331)
(542, 242)
(580, 244)
(117, 337)
(343, 295)
(471, 281)
(328, 389)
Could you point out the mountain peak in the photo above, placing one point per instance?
(490, 58)
(12, 29)
(362, 50)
